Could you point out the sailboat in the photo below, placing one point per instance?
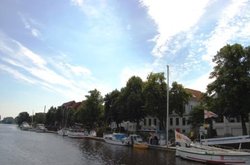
(206, 154)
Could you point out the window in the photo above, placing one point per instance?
(171, 121)
(177, 121)
(183, 121)
(155, 122)
(149, 122)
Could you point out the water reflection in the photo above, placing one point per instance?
(30, 148)
(112, 154)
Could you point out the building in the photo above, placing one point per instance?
(152, 124)
(177, 122)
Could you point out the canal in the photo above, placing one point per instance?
(30, 148)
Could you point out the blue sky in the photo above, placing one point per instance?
(56, 51)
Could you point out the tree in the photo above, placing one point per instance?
(231, 88)
(23, 117)
(134, 100)
(197, 117)
(178, 98)
(93, 109)
(112, 110)
(50, 117)
(155, 94)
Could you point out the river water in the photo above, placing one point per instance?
(30, 148)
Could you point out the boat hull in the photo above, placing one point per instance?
(62, 132)
(121, 143)
(141, 146)
(77, 135)
(116, 139)
(215, 157)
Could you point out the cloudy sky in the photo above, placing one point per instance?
(56, 51)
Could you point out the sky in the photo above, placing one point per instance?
(52, 52)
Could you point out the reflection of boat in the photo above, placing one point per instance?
(25, 126)
(137, 142)
(206, 154)
(116, 138)
(77, 133)
(63, 132)
(40, 128)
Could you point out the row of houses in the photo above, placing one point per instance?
(176, 122)
(225, 127)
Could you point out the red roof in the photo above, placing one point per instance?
(71, 104)
(197, 95)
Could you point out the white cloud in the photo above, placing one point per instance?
(141, 72)
(31, 25)
(17, 74)
(199, 83)
(77, 2)
(230, 26)
(24, 64)
(91, 8)
(171, 18)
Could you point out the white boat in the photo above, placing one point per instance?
(207, 154)
(40, 128)
(77, 133)
(227, 141)
(116, 138)
(212, 155)
(62, 132)
(25, 126)
(92, 133)
(137, 142)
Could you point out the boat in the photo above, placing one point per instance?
(235, 141)
(186, 149)
(40, 128)
(137, 142)
(76, 133)
(212, 155)
(116, 138)
(63, 132)
(25, 126)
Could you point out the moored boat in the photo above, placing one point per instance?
(40, 128)
(234, 141)
(137, 142)
(25, 126)
(116, 138)
(62, 132)
(77, 133)
(141, 146)
(206, 154)
(212, 155)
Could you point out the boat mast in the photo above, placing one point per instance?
(167, 105)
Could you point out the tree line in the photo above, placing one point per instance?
(228, 95)
(133, 103)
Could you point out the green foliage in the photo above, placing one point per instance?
(155, 94)
(178, 98)
(112, 110)
(133, 95)
(23, 117)
(39, 118)
(231, 88)
(50, 117)
(197, 116)
(93, 109)
(8, 120)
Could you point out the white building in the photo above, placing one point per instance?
(175, 122)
